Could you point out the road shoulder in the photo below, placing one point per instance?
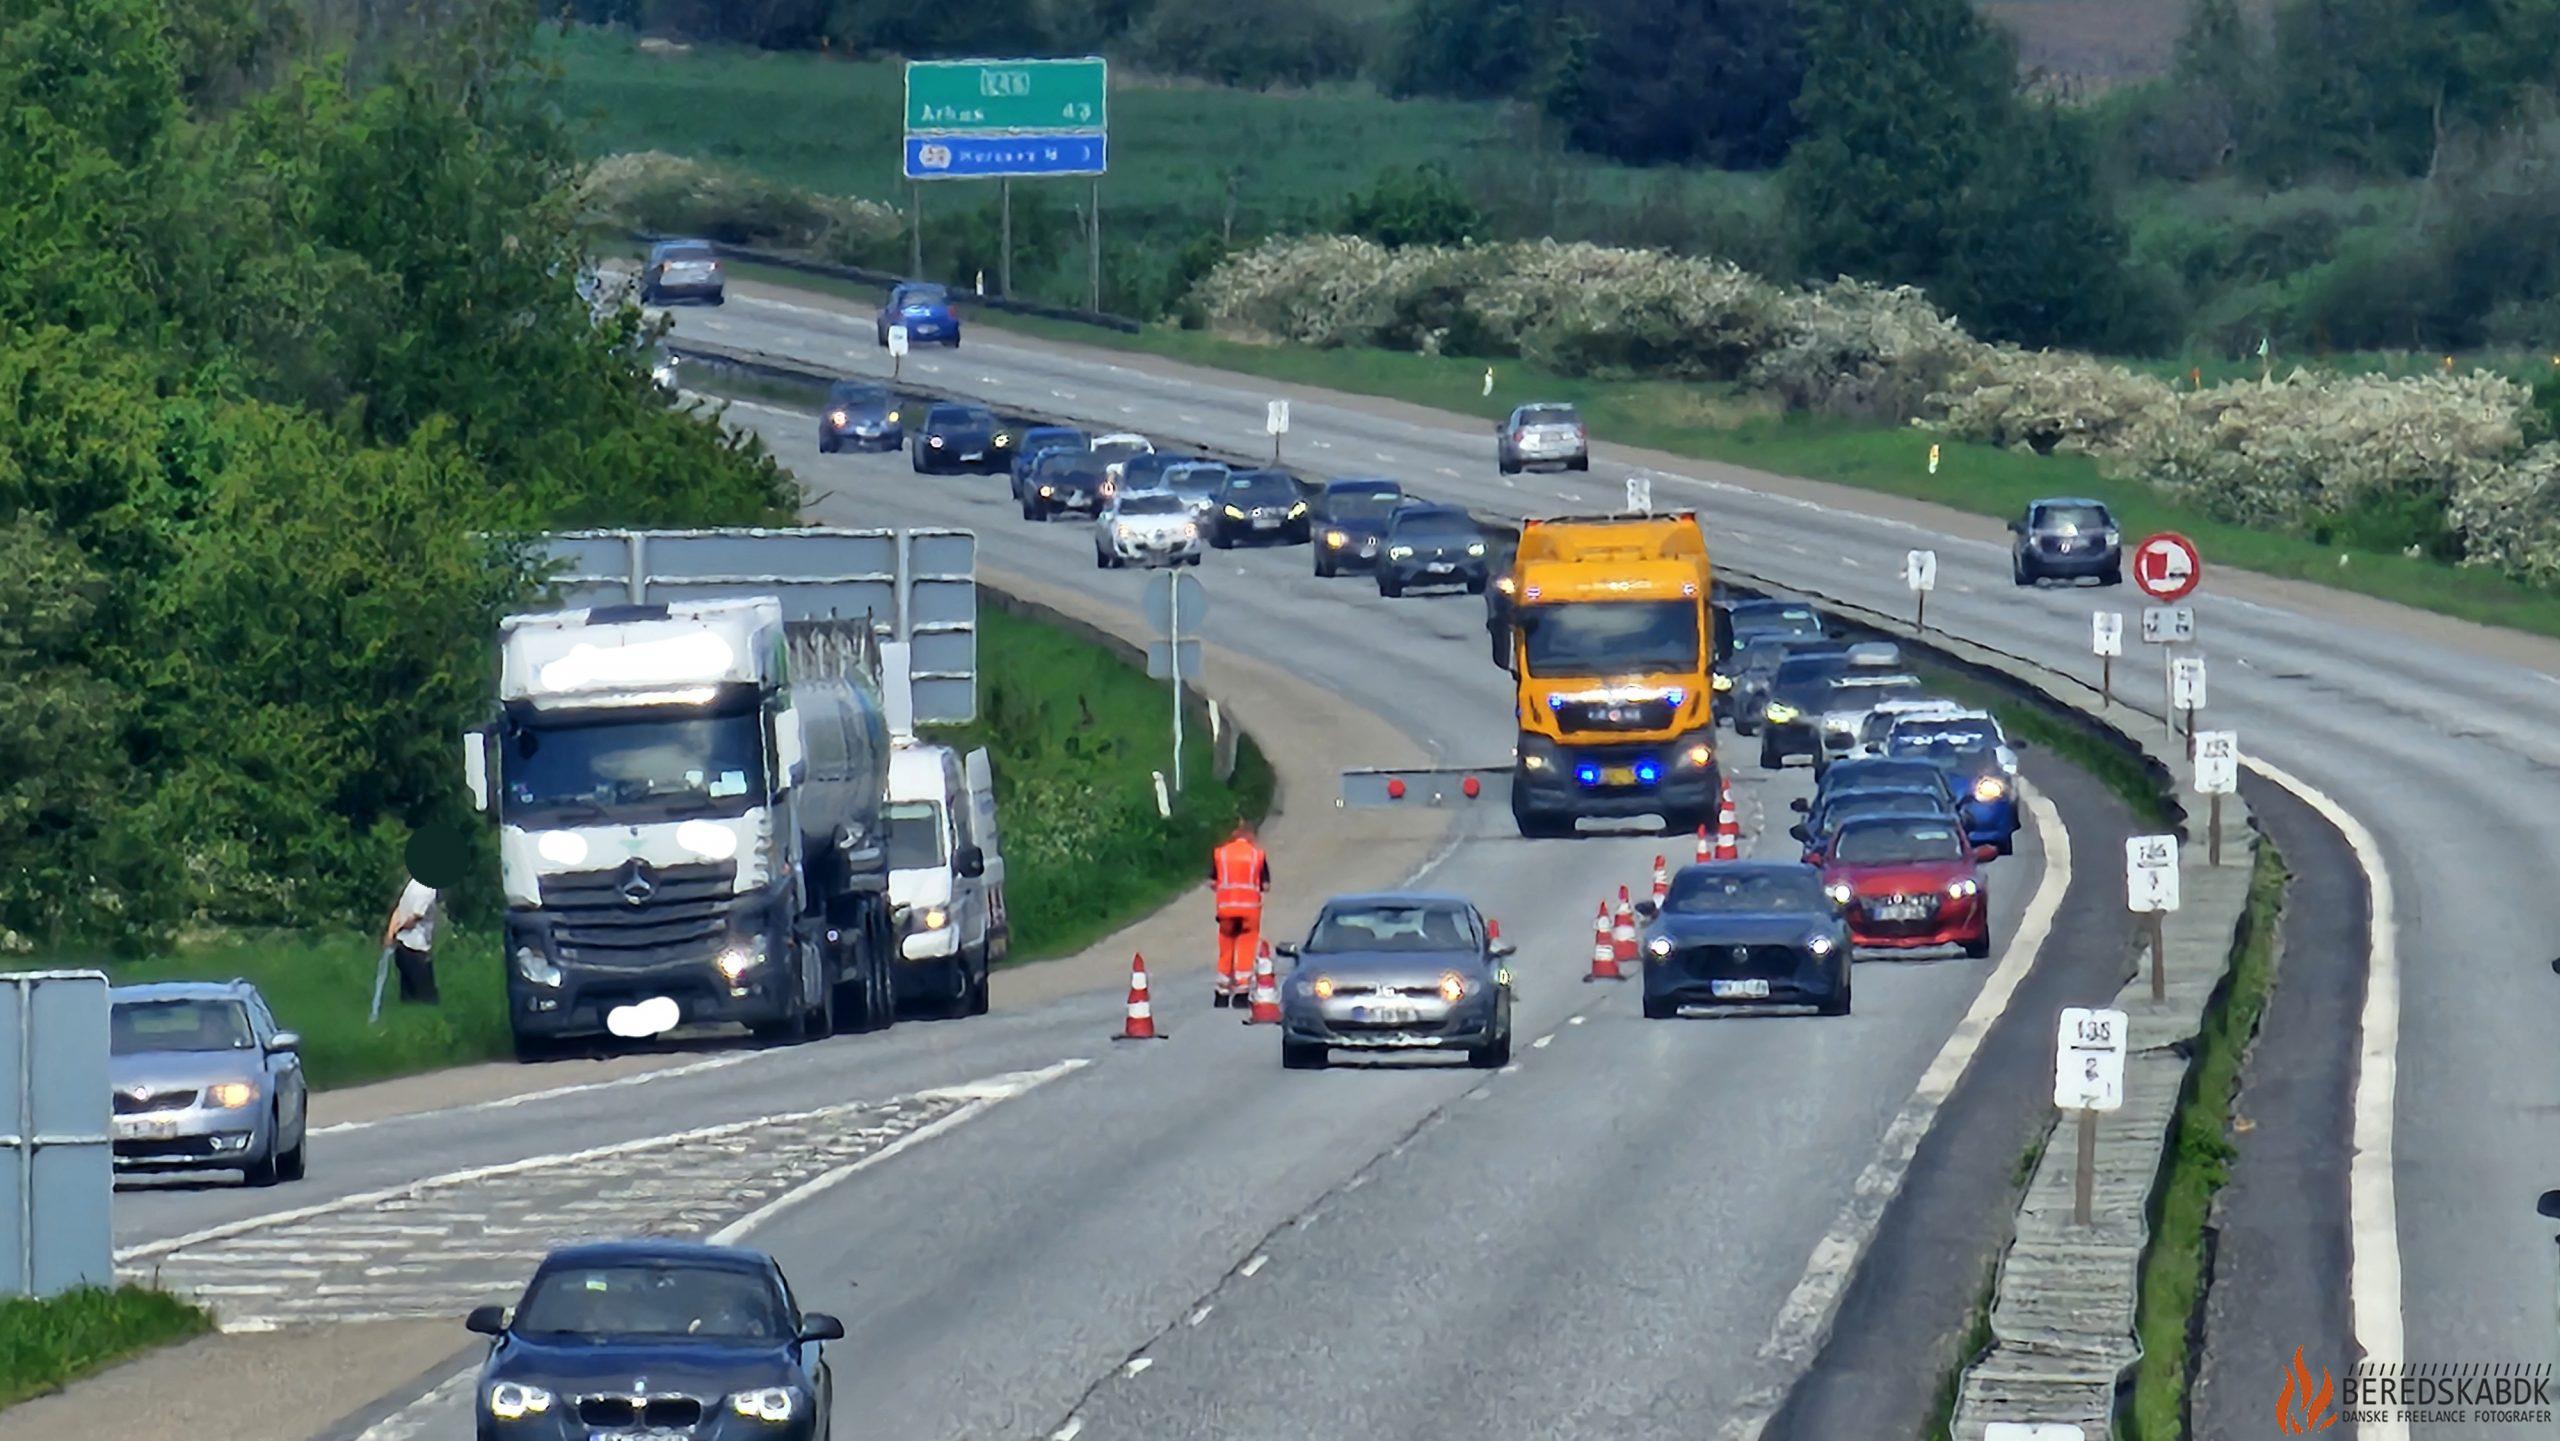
(251, 1387)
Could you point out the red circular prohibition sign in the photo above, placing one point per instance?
(2166, 566)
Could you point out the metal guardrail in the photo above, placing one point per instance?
(1002, 304)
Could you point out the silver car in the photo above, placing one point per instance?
(1397, 972)
(1542, 434)
(1145, 527)
(205, 1080)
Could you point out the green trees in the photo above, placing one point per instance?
(274, 345)
(1678, 81)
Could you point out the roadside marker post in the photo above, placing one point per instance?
(2106, 642)
(1920, 572)
(1174, 603)
(2186, 693)
(897, 350)
(2088, 1078)
(2217, 756)
(2151, 892)
(1639, 495)
(1275, 421)
(1933, 460)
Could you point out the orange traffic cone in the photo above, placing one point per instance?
(1266, 991)
(1661, 881)
(1728, 830)
(1141, 1025)
(1706, 848)
(1604, 952)
(1622, 935)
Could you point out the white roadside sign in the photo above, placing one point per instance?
(2217, 762)
(2168, 624)
(1920, 570)
(1640, 494)
(1275, 418)
(2106, 633)
(2151, 874)
(2088, 1060)
(2033, 1431)
(897, 340)
(2186, 682)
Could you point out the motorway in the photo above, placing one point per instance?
(1028, 1228)
(2432, 734)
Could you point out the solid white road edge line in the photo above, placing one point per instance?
(981, 1096)
(2373, 1203)
(1805, 1317)
(970, 1091)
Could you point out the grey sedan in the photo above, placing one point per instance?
(1397, 972)
(204, 1080)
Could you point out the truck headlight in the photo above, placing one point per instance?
(514, 1401)
(1696, 754)
(231, 1095)
(740, 959)
(1506, 585)
(708, 839)
(561, 848)
(536, 967)
(1476, 549)
(776, 1404)
(932, 918)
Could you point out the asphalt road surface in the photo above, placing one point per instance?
(1594, 1242)
(2433, 734)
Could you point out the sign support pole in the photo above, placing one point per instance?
(2169, 687)
(1173, 635)
(2107, 680)
(2084, 1172)
(2213, 845)
(915, 228)
(1920, 619)
(1096, 233)
(2159, 961)
(1004, 257)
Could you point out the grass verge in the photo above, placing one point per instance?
(1076, 731)
(45, 1345)
(2197, 1165)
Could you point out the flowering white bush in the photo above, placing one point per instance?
(1874, 351)
(671, 194)
(2046, 401)
(2509, 516)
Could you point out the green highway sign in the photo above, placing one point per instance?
(976, 97)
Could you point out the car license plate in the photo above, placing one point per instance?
(1907, 911)
(639, 1436)
(1387, 1015)
(1738, 990)
(1266, 522)
(1618, 776)
(1439, 567)
(973, 455)
(146, 1128)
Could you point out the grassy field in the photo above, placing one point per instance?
(1076, 732)
(46, 1345)
(2173, 1268)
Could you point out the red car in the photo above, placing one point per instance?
(1909, 882)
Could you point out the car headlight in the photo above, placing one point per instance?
(1958, 890)
(1506, 585)
(1003, 441)
(1476, 549)
(1722, 683)
(1452, 986)
(1779, 712)
(892, 417)
(1047, 491)
(1990, 788)
(1659, 946)
(536, 967)
(1818, 945)
(932, 918)
(230, 1095)
(1323, 987)
(1696, 754)
(514, 1401)
(774, 1403)
(1297, 510)
(1400, 552)
(1236, 512)
(1125, 531)
(561, 848)
(838, 417)
(1334, 539)
(1838, 891)
(1189, 531)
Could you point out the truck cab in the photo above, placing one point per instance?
(946, 874)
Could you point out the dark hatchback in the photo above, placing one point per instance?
(961, 438)
(682, 270)
(654, 1341)
(1825, 818)
(1255, 506)
(1032, 442)
(1755, 663)
(1063, 480)
(1349, 522)
(1800, 691)
(2066, 539)
(1739, 622)
(1431, 545)
(1749, 933)
(860, 416)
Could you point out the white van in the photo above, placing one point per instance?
(946, 875)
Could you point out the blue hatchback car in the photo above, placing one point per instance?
(925, 310)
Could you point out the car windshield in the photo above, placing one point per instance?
(1437, 525)
(696, 764)
(1111, 450)
(1259, 489)
(659, 1300)
(136, 1028)
(1199, 481)
(1058, 464)
(1969, 733)
(2070, 519)
(1391, 928)
(1892, 842)
(1837, 813)
(1154, 502)
(1765, 619)
(1866, 775)
(1598, 637)
(1549, 415)
(1042, 437)
(841, 395)
(958, 417)
(1366, 503)
(925, 296)
(1852, 691)
(1707, 891)
(688, 254)
(915, 835)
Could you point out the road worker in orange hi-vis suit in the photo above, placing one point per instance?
(1241, 873)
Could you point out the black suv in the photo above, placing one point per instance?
(1429, 545)
(1258, 505)
(2065, 539)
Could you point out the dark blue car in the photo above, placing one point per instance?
(1349, 521)
(1759, 933)
(1836, 808)
(1037, 440)
(1980, 765)
(925, 310)
(654, 1338)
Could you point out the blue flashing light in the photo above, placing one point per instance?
(1647, 772)
(1587, 773)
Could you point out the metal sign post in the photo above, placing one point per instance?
(2088, 1078)
(2151, 892)
(2106, 642)
(2168, 626)
(2186, 693)
(1175, 602)
(2217, 775)
(1639, 495)
(1920, 572)
(1275, 423)
(897, 350)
